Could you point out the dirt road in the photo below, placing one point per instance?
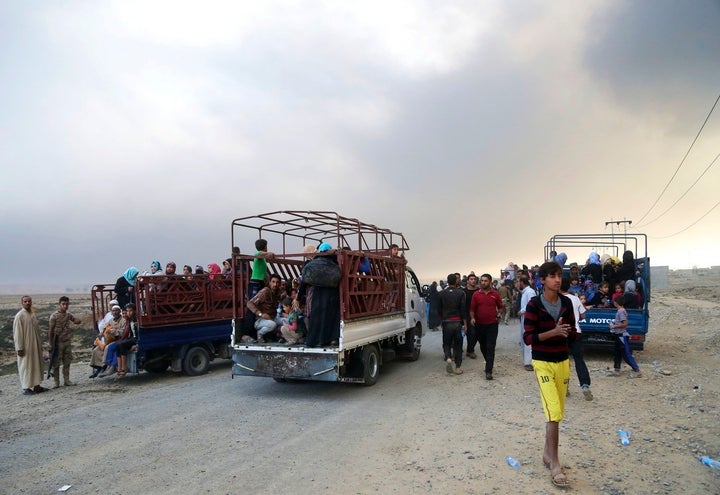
(418, 430)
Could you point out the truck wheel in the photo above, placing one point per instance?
(196, 361)
(157, 366)
(371, 364)
(416, 343)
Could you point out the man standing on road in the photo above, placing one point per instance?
(526, 293)
(485, 309)
(28, 346)
(451, 306)
(470, 288)
(576, 347)
(549, 328)
(60, 337)
(505, 292)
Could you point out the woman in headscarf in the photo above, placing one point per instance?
(155, 269)
(227, 268)
(214, 271)
(214, 276)
(323, 308)
(627, 269)
(608, 270)
(632, 298)
(125, 287)
(593, 268)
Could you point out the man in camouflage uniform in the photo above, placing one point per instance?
(60, 335)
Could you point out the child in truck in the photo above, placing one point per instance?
(618, 328)
(289, 328)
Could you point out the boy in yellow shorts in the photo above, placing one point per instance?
(549, 328)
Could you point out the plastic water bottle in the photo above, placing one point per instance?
(624, 437)
(710, 462)
(513, 463)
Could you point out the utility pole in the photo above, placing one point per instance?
(612, 223)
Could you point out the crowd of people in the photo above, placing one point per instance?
(549, 300)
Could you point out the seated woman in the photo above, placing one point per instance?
(227, 268)
(632, 298)
(155, 269)
(215, 276)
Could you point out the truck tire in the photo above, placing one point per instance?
(371, 364)
(157, 366)
(416, 348)
(196, 361)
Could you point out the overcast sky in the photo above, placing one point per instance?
(137, 130)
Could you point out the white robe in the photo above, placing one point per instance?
(26, 333)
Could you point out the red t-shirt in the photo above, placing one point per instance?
(485, 306)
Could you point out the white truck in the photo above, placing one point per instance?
(381, 305)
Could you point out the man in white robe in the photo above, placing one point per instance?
(28, 345)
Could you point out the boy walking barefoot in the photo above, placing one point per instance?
(549, 328)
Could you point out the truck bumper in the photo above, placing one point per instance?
(294, 365)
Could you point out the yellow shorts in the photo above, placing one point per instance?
(553, 379)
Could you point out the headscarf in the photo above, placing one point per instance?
(130, 275)
(594, 258)
(155, 264)
(324, 247)
(604, 259)
(629, 258)
(630, 287)
(560, 259)
(214, 270)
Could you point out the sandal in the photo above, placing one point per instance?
(121, 373)
(560, 480)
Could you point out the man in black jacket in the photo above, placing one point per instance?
(451, 306)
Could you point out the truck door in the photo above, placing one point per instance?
(414, 302)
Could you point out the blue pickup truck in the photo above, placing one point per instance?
(595, 330)
(183, 323)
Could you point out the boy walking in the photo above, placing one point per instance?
(549, 328)
(618, 327)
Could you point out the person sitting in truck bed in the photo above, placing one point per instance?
(632, 298)
(627, 269)
(289, 327)
(115, 328)
(227, 268)
(264, 307)
(592, 268)
(154, 269)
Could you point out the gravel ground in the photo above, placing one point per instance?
(419, 430)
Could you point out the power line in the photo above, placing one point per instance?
(683, 194)
(692, 224)
(682, 161)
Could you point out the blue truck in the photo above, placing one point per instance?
(595, 330)
(183, 322)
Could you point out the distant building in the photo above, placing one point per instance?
(659, 277)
